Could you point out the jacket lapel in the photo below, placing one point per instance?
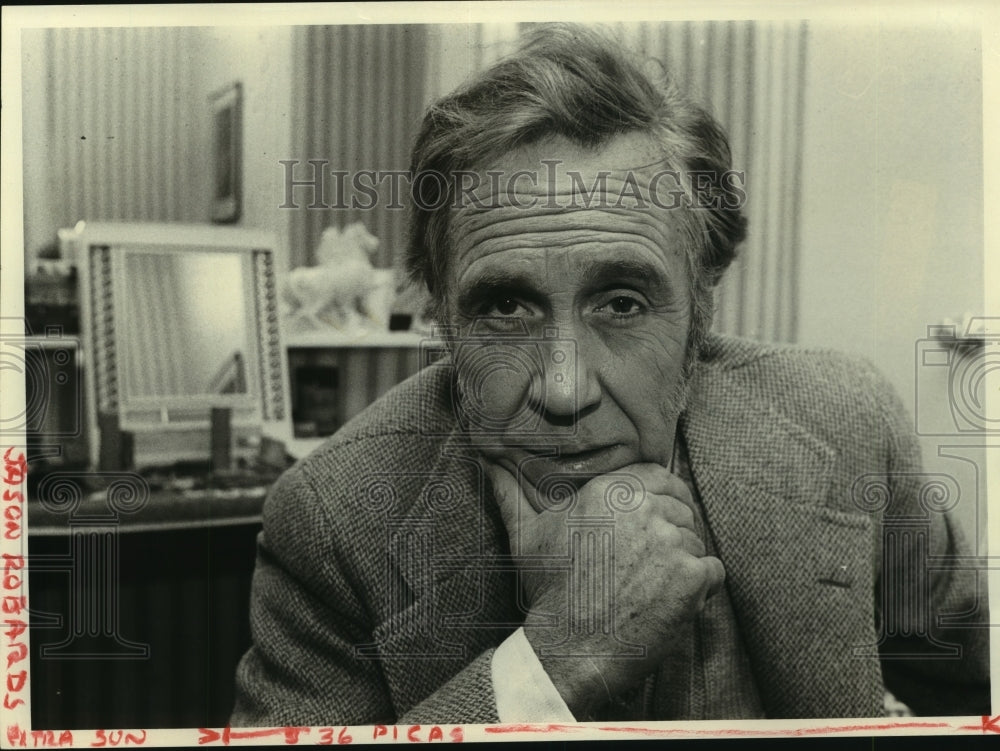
(798, 571)
(461, 587)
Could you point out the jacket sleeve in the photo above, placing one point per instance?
(933, 617)
(308, 614)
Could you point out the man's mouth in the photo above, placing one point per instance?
(582, 461)
(572, 456)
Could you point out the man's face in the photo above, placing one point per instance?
(573, 323)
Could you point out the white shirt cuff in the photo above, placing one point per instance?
(523, 690)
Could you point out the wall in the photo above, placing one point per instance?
(261, 59)
(892, 206)
(39, 225)
(117, 125)
(359, 100)
(113, 120)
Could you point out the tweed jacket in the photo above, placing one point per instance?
(383, 580)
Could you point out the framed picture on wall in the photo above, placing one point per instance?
(227, 153)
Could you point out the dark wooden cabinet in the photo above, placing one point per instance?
(138, 627)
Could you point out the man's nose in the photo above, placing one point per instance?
(565, 384)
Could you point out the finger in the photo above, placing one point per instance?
(510, 498)
(716, 574)
(692, 543)
(656, 479)
(676, 512)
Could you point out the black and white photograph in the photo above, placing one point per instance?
(400, 372)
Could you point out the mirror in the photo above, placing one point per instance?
(180, 320)
(194, 306)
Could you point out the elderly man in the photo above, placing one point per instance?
(592, 507)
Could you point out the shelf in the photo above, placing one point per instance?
(71, 341)
(164, 510)
(371, 340)
(959, 341)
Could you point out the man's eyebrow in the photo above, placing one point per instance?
(495, 282)
(598, 272)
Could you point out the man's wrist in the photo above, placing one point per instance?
(577, 679)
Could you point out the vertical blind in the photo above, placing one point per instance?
(123, 129)
(152, 310)
(751, 76)
(362, 91)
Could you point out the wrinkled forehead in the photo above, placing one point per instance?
(555, 168)
(556, 194)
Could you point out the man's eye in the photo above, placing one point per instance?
(623, 306)
(506, 306)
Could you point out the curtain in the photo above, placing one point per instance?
(122, 128)
(361, 90)
(751, 75)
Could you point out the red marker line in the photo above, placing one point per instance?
(987, 724)
(210, 736)
(733, 732)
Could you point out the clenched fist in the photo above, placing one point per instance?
(619, 569)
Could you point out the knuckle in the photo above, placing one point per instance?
(671, 535)
(682, 492)
(647, 518)
(677, 507)
(651, 475)
(689, 567)
(718, 568)
(694, 544)
(685, 515)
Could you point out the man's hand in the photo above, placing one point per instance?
(620, 629)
